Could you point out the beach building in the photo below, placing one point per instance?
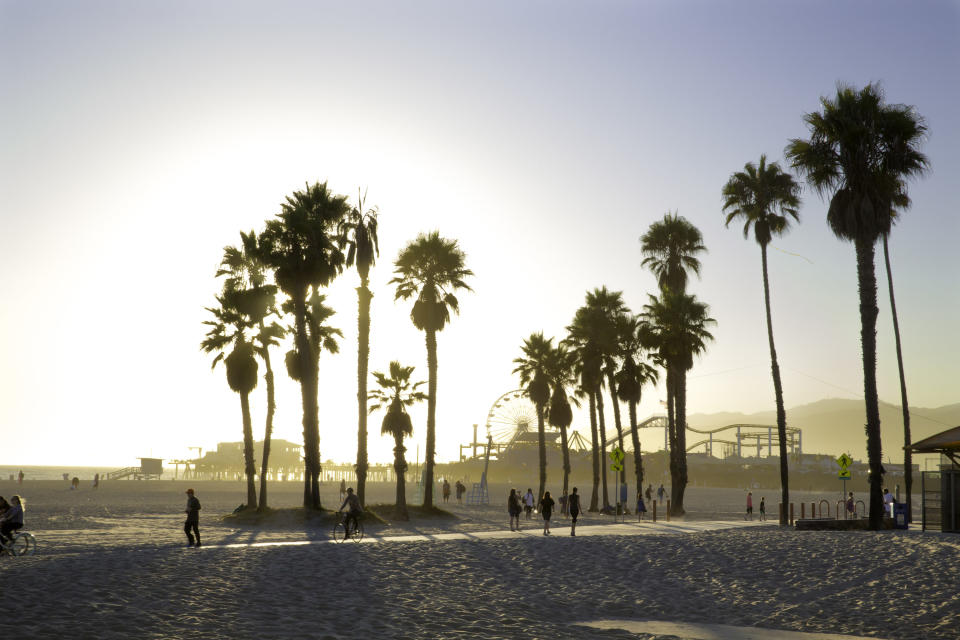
(941, 488)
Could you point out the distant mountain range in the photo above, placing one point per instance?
(836, 425)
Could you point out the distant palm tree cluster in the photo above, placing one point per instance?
(314, 237)
(861, 152)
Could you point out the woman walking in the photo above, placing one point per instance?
(514, 509)
(546, 509)
(574, 504)
(641, 507)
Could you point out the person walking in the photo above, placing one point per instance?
(513, 508)
(763, 508)
(528, 502)
(887, 503)
(20, 477)
(96, 481)
(649, 493)
(192, 526)
(641, 507)
(343, 489)
(660, 493)
(574, 506)
(851, 507)
(546, 510)
(446, 490)
(749, 515)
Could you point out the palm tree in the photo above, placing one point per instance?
(320, 335)
(227, 329)
(397, 393)
(560, 371)
(533, 368)
(359, 233)
(301, 246)
(635, 337)
(246, 273)
(766, 197)
(679, 326)
(431, 269)
(861, 152)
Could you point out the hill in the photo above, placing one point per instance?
(836, 425)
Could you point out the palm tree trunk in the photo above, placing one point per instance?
(637, 459)
(431, 416)
(778, 396)
(566, 458)
(618, 424)
(248, 465)
(672, 429)
(676, 507)
(543, 452)
(867, 285)
(594, 497)
(400, 468)
(363, 357)
(603, 447)
(308, 397)
(268, 430)
(907, 454)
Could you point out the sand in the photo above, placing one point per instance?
(113, 564)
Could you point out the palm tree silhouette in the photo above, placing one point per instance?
(301, 246)
(560, 371)
(766, 197)
(228, 329)
(359, 234)
(431, 269)
(861, 152)
(246, 272)
(635, 338)
(533, 368)
(679, 326)
(396, 392)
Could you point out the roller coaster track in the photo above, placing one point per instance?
(767, 434)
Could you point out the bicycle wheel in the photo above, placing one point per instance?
(339, 532)
(356, 531)
(23, 545)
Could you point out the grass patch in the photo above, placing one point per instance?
(388, 512)
(293, 517)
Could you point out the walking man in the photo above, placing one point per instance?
(192, 526)
(749, 515)
(574, 504)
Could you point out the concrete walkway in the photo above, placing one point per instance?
(702, 631)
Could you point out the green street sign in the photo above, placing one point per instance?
(616, 467)
(616, 455)
(844, 473)
(844, 461)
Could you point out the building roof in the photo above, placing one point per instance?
(948, 440)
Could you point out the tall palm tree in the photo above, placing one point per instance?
(679, 324)
(560, 371)
(765, 198)
(227, 329)
(247, 274)
(534, 370)
(431, 269)
(671, 248)
(396, 392)
(301, 246)
(359, 233)
(861, 152)
(320, 335)
(634, 374)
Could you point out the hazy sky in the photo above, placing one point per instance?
(138, 139)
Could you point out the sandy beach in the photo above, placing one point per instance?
(112, 563)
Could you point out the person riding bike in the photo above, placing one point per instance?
(355, 510)
(12, 520)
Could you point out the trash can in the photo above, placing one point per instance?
(900, 515)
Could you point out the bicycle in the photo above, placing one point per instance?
(22, 544)
(340, 532)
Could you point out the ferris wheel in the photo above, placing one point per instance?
(511, 416)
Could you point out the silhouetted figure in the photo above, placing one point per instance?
(649, 493)
(192, 525)
(343, 489)
(353, 513)
(887, 503)
(461, 489)
(546, 510)
(574, 511)
(749, 515)
(528, 502)
(641, 507)
(763, 508)
(661, 492)
(4, 506)
(851, 508)
(20, 477)
(446, 490)
(513, 508)
(12, 519)
(75, 483)
(96, 481)
(563, 504)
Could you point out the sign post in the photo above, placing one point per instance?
(844, 474)
(616, 457)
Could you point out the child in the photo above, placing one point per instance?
(641, 507)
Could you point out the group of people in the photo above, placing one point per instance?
(459, 487)
(11, 517)
(517, 504)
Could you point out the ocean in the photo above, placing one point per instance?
(8, 472)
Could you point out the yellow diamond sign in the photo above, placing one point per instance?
(844, 473)
(844, 461)
(616, 455)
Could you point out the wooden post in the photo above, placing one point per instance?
(803, 510)
(791, 514)
(654, 510)
(668, 509)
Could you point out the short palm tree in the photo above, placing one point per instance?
(359, 234)
(247, 274)
(765, 198)
(861, 152)
(320, 335)
(431, 269)
(560, 371)
(533, 368)
(396, 393)
(227, 329)
(635, 338)
(301, 246)
(679, 326)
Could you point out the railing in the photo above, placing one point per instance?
(122, 473)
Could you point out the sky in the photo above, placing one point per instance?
(138, 139)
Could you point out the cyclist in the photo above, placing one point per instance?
(355, 510)
(12, 520)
